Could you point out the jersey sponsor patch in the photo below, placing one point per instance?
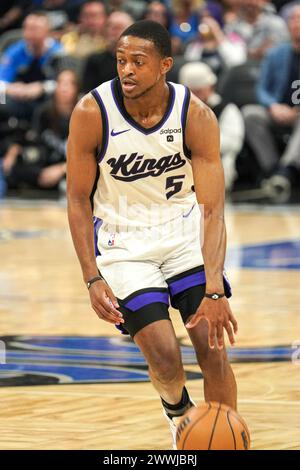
(170, 135)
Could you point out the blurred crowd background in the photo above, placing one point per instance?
(241, 57)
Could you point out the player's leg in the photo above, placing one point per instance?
(160, 348)
(143, 297)
(152, 331)
(185, 275)
(219, 381)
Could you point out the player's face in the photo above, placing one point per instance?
(140, 66)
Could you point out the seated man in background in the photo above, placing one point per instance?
(25, 68)
(200, 79)
(213, 45)
(39, 160)
(102, 66)
(279, 111)
(89, 35)
(259, 26)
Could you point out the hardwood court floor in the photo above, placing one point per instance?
(41, 293)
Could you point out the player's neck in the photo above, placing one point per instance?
(154, 102)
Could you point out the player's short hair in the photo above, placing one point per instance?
(152, 31)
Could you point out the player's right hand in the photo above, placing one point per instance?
(105, 303)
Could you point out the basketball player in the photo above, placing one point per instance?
(141, 146)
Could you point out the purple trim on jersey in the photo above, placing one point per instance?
(97, 225)
(105, 126)
(194, 280)
(147, 298)
(184, 112)
(171, 106)
(136, 125)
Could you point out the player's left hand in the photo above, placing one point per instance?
(218, 315)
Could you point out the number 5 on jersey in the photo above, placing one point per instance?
(175, 184)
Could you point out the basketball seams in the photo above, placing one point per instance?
(210, 434)
(194, 424)
(214, 426)
(234, 415)
(233, 435)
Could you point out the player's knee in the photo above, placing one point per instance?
(168, 368)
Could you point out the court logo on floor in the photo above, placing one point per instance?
(284, 254)
(42, 360)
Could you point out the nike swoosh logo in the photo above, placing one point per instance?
(186, 215)
(113, 134)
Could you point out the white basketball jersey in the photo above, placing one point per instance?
(145, 174)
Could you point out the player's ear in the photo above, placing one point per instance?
(166, 64)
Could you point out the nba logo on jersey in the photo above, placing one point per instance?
(170, 138)
(111, 240)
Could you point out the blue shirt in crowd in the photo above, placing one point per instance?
(19, 64)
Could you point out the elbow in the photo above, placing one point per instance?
(212, 213)
(77, 201)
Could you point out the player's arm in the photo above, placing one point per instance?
(85, 137)
(202, 137)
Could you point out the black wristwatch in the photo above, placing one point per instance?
(214, 296)
(94, 279)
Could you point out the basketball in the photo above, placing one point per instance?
(212, 426)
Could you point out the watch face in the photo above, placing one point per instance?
(215, 296)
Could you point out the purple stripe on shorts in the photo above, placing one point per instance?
(227, 286)
(147, 298)
(187, 282)
(194, 280)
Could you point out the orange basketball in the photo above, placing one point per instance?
(212, 426)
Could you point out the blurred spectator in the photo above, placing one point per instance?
(201, 81)
(40, 160)
(157, 11)
(89, 35)
(71, 7)
(278, 93)
(259, 26)
(102, 67)
(184, 22)
(26, 70)
(212, 45)
(278, 4)
(12, 13)
(231, 10)
(134, 8)
(286, 9)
